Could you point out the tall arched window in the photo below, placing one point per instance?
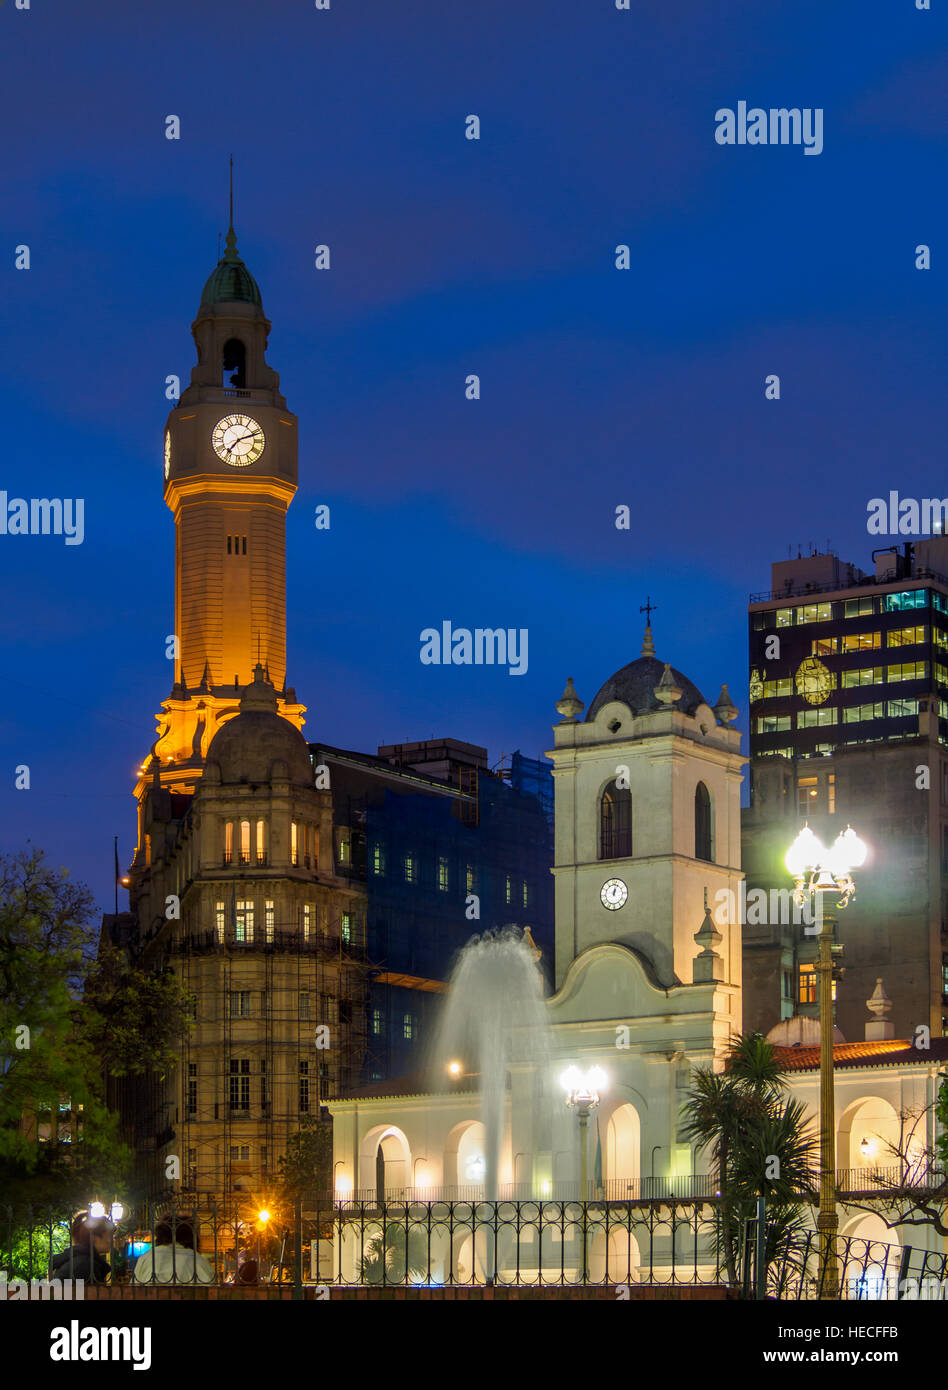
(235, 363)
(615, 823)
(704, 847)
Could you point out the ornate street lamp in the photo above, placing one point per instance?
(582, 1095)
(816, 872)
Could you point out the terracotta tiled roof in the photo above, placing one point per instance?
(889, 1052)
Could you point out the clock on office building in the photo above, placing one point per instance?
(813, 681)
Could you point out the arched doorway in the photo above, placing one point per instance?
(621, 1167)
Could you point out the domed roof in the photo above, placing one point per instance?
(231, 282)
(635, 685)
(247, 746)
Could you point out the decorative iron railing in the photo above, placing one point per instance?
(445, 1243)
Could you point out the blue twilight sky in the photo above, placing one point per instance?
(450, 256)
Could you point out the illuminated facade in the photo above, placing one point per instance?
(230, 473)
(849, 724)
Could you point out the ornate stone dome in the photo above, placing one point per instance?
(231, 282)
(635, 685)
(247, 746)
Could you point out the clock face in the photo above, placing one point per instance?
(814, 681)
(167, 452)
(614, 894)
(238, 440)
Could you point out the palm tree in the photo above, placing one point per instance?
(394, 1256)
(760, 1144)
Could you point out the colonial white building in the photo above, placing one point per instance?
(647, 987)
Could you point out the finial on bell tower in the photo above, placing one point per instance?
(648, 608)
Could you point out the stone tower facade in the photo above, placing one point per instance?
(230, 473)
(647, 819)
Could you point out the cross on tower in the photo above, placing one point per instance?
(648, 608)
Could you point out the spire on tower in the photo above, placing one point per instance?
(231, 240)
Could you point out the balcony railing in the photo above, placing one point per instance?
(688, 1189)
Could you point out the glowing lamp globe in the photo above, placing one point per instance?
(806, 852)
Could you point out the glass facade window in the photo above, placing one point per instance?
(908, 671)
(762, 622)
(376, 1021)
(192, 1088)
(245, 842)
(219, 922)
(378, 859)
(853, 714)
(775, 753)
(409, 868)
(772, 723)
(814, 613)
(304, 1088)
(824, 646)
(773, 689)
(469, 878)
(268, 920)
(815, 718)
(860, 641)
(294, 843)
(859, 607)
(408, 1026)
(898, 603)
(784, 617)
(898, 709)
(229, 842)
(261, 843)
(906, 636)
(865, 675)
(304, 1008)
(526, 894)
(443, 875)
(939, 601)
(346, 928)
(307, 921)
(240, 1153)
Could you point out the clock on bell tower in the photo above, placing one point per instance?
(230, 473)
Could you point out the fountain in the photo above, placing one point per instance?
(495, 1015)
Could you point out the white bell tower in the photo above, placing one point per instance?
(648, 821)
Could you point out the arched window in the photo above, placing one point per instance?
(704, 846)
(615, 823)
(235, 361)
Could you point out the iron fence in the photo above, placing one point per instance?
(439, 1243)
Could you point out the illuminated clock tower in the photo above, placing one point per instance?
(230, 472)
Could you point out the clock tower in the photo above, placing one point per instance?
(230, 473)
(648, 825)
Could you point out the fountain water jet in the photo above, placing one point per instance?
(495, 1015)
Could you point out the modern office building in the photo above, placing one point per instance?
(849, 725)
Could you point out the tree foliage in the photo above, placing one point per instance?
(66, 1019)
(761, 1145)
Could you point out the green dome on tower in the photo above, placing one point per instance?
(231, 282)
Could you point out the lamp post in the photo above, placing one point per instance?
(582, 1095)
(816, 872)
